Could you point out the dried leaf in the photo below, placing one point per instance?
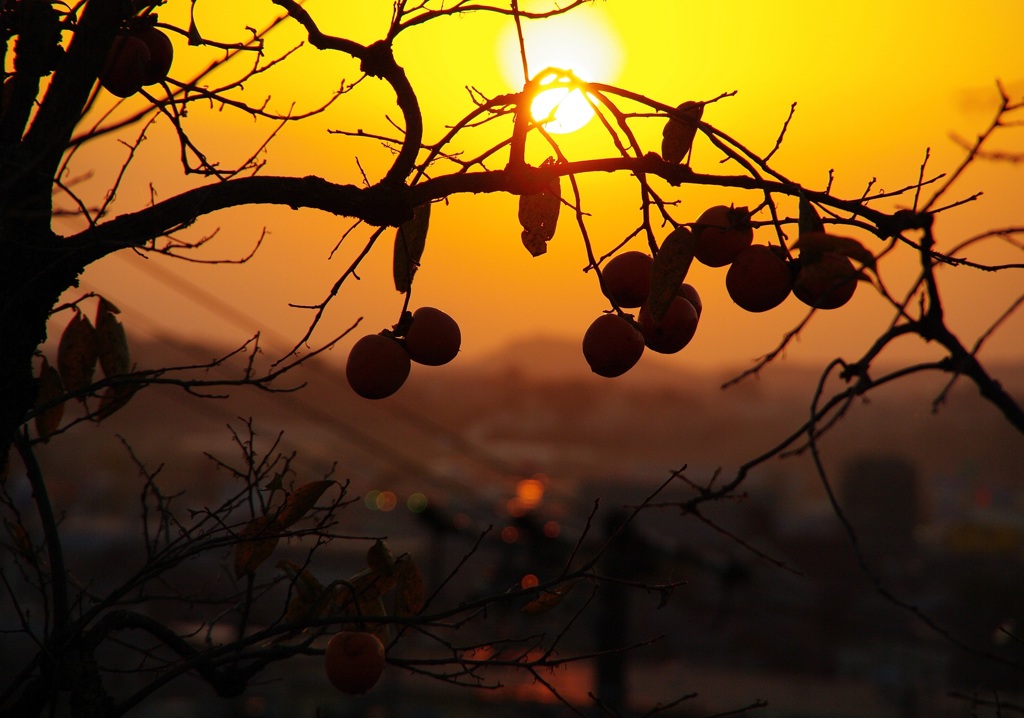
(547, 600)
(249, 555)
(809, 220)
(813, 245)
(309, 598)
(111, 342)
(194, 38)
(538, 215)
(106, 305)
(410, 240)
(366, 586)
(300, 501)
(411, 589)
(678, 133)
(380, 630)
(21, 540)
(380, 559)
(305, 583)
(50, 388)
(113, 399)
(77, 353)
(671, 264)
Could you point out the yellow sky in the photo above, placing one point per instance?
(876, 84)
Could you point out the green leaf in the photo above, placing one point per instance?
(410, 240)
(671, 264)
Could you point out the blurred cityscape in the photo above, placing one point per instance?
(776, 605)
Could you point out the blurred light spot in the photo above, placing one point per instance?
(416, 503)
(530, 491)
(386, 500)
(552, 529)
(510, 534)
(529, 581)
(515, 507)
(371, 499)
(460, 521)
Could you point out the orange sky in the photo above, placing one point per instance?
(876, 84)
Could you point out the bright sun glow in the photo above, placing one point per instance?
(561, 110)
(582, 43)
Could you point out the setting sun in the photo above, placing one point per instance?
(561, 109)
(583, 44)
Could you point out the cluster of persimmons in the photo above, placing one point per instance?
(760, 277)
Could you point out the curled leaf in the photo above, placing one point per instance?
(251, 552)
(364, 588)
(77, 353)
(113, 399)
(380, 630)
(106, 305)
(411, 589)
(813, 245)
(671, 264)
(50, 388)
(380, 559)
(300, 501)
(809, 220)
(547, 600)
(410, 240)
(111, 342)
(309, 598)
(538, 215)
(678, 133)
(21, 541)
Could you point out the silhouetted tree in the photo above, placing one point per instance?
(61, 64)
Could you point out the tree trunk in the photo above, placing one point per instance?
(34, 272)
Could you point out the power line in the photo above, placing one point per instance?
(362, 439)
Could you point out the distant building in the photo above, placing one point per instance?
(880, 496)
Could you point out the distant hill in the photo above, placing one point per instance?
(535, 406)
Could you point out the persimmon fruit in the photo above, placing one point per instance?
(627, 278)
(674, 331)
(126, 66)
(826, 283)
(690, 294)
(720, 233)
(758, 279)
(377, 366)
(161, 54)
(354, 661)
(433, 338)
(612, 345)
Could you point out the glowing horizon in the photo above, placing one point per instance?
(861, 113)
